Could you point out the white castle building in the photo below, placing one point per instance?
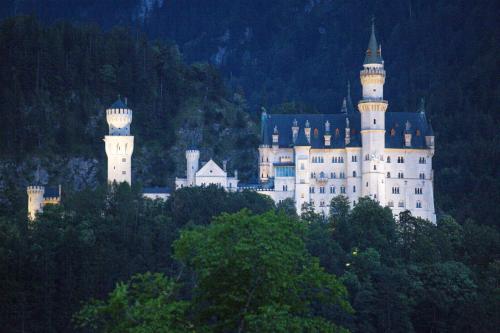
(370, 152)
(39, 196)
(309, 158)
(209, 174)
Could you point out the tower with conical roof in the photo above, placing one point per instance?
(119, 143)
(372, 108)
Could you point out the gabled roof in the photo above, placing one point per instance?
(211, 169)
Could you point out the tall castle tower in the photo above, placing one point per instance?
(119, 143)
(372, 108)
(192, 165)
(35, 200)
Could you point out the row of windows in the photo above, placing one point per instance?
(401, 204)
(333, 190)
(418, 190)
(333, 175)
(318, 159)
(401, 175)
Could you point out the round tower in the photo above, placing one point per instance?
(119, 142)
(35, 200)
(372, 108)
(192, 165)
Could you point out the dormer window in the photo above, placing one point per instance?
(316, 132)
(393, 132)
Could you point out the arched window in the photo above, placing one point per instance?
(354, 173)
(374, 121)
(388, 175)
(388, 159)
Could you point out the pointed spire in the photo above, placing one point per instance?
(344, 106)
(421, 106)
(263, 127)
(374, 50)
(350, 106)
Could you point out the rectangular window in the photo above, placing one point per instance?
(354, 158)
(311, 189)
(332, 189)
(322, 189)
(124, 160)
(354, 189)
(124, 172)
(342, 189)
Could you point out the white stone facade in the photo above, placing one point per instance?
(209, 174)
(119, 143)
(386, 156)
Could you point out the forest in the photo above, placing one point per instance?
(108, 260)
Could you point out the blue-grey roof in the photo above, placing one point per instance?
(51, 192)
(119, 104)
(373, 53)
(284, 123)
(395, 123)
(156, 190)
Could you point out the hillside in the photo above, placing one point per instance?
(57, 82)
(304, 51)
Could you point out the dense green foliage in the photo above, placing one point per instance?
(401, 276)
(251, 273)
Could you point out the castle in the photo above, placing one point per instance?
(311, 158)
(370, 152)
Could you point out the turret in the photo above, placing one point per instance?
(119, 144)
(302, 149)
(119, 118)
(192, 165)
(35, 200)
(372, 108)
